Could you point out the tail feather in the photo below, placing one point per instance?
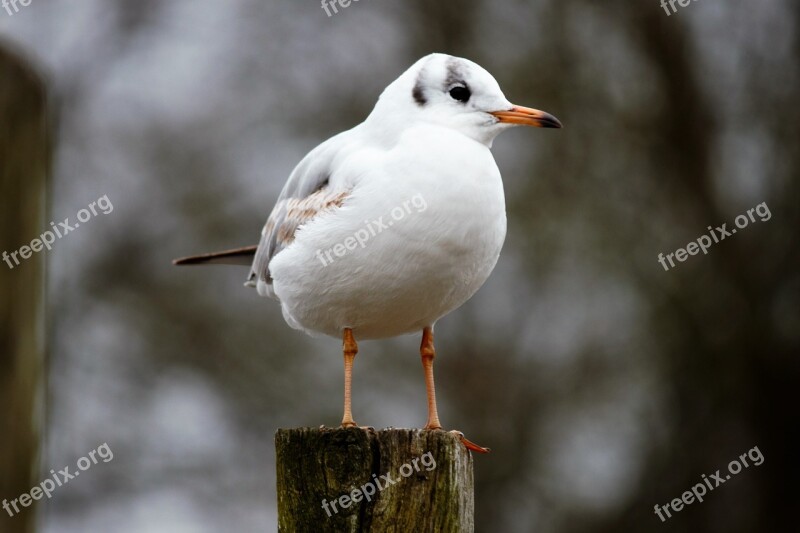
(239, 256)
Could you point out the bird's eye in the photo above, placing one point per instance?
(460, 93)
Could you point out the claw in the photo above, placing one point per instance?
(469, 444)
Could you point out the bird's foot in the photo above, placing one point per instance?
(469, 444)
(349, 425)
(464, 440)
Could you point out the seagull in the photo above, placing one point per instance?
(385, 228)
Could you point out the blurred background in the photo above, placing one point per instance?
(603, 384)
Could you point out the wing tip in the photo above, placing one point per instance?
(239, 256)
(189, 260)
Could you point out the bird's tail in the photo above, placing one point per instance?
(240, 256)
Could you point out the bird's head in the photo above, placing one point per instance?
(456, 93)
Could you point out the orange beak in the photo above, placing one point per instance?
(525, 116)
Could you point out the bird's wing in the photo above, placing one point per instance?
(308, 193)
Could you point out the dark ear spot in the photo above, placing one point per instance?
(419, 95)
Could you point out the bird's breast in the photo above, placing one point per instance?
(418, 235)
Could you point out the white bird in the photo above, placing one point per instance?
(385, 228)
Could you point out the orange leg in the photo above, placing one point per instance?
(427, 352)
(350, 349)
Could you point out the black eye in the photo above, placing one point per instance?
(460, 93)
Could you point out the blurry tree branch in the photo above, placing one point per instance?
(24, 165)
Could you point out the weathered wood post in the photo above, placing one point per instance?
(359, 480)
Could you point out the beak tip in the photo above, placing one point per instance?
(526, 116)
(546, 120)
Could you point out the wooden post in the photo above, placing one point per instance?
(359, 480)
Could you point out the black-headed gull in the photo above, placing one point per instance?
(385, 228)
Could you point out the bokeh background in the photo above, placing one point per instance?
(603, 384)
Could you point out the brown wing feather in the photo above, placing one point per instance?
(300, 211)
(282, 225)
(307, 193)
